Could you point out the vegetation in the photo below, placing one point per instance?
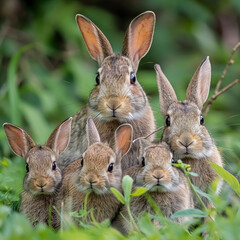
(46, 75)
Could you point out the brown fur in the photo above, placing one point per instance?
(187, 137)
(173, 193)
(91, 173)
(115, 100)
(41, 183)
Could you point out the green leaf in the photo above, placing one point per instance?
(127, 187)
(228, 177)
(193, 174)
(189, 213)
(139, 191)
(4, 162)
(118, 195)
(199, 191)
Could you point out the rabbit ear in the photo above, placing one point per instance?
(18, 139)
(198, 88)
(92, 132)
(123, 138)
(166, 92)
(143, 143)
(97, 44)
(60, 137)
(138, 37)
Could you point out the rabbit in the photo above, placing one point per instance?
(117, 97)
(166, 184)
(43, 176)
(97, 171)
(184, 129)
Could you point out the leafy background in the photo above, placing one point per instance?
(46, 73)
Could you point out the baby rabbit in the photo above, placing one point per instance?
(96, 172)
(43, 177)
(117, 97)
(184, 129)
(166, 184)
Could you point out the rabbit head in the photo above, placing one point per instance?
(42, 173)
(184, 130)
(101, 166)
(118, 95)
(157, 173)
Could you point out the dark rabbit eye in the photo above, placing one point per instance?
(172, 160)
(27, 168)
(201, 120)
(132, 78)
(82, 163)
(168, 121)
(98, 79)
(54, 166)
(110, 167)
(143, 161)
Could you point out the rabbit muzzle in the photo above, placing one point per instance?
(43, 185)
(186, 145)
(115, 107)
(93, 182)
(157, 179)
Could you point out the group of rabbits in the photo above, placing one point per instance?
(92, 151)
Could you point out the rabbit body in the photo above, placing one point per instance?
(166, 185)
(118, 97)
(40, 185)
(98, 171)
(184, 129)
(43, 177)
(104, 206)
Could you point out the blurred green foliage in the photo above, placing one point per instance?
(46, 75)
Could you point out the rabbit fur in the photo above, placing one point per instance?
(184, 129)
(166, 185)
(98, 171)
(118, 97)
(43, 176)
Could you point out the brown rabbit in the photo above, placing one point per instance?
(185, 131)
(98, 171)
(166, 184)
(118, 97)
(43, 177)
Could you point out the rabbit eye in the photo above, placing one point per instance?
(173, 160)
(82, 163)
(132, 78)
(201, 120)
(98, 79)
(143, 161)
(27, 168)
(54, 165)
(168, 121)
(110, 167)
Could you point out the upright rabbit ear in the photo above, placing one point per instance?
(60, 137)
(97, 44)
(18, 139)
(198, 88)
(143, 143)
(123, 138)
(166, 92)
(92, 132)
(138, 38)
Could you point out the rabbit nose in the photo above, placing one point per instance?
(41, 185)
(91, 181)
(157, 177)
(185, 143)
(114, 107)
